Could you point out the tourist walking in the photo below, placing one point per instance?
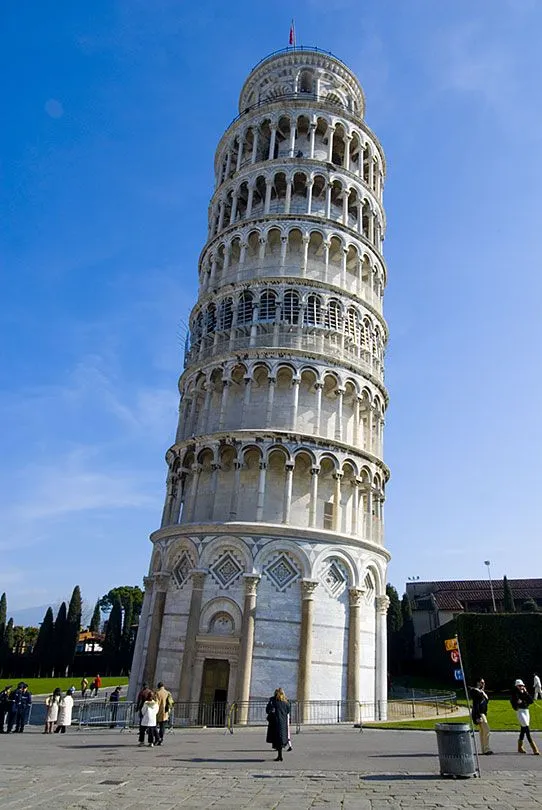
(84, 686)
(96, 684)
(19, 709)
(277, 710)
(4, 706)
(53, 706)
(144, 694)
(537, 687)
(480, 701)
(65, 712)
(149, 712)
(521, 700)
(114, 698)
(165, 705)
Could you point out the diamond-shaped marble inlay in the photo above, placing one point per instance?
(282, 572)
(226, 570)
(334, 578)
(181, 570)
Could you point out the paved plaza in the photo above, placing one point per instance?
(328, 768)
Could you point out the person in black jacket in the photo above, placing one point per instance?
(480, 701)
(4, 706)
(21, 700)
(521, 700)
(278, 710)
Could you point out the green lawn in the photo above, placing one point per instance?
(44, 686)
(501, 717)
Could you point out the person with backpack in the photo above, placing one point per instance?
(165, 705)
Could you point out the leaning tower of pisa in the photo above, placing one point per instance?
(269, 567)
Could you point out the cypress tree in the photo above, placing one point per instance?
(73, 625)
(509, 606)
(113, 635)
(407, 631)
(394, 621)
(59, 637)
(96, 620)
(3, 617)
(9, 638)
(126, 644)
(44, 649)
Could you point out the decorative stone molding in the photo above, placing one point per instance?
(355, 596)
(382, 604)
(251, 583)
(308, 587)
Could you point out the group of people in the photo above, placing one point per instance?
(59, 711)
(154, 708)
(94, 686)
(520, 700)
(15, 706)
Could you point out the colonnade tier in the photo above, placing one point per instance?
(282, 396)
(296, 250)
(297, 191)
(268, 482)
(287, 317)
(305, 135)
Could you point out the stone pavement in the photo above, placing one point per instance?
(329, 768)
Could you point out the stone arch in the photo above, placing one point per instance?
(251, 458)
(221, 605)
(283, 400)
(347, 561)
(328, 418)
(299, 513)
(220, 546)
(306, 414)
(277, 458)
(256, 415)
(271, 548)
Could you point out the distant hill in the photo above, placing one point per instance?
(31, 616)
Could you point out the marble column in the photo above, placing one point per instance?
(136, 674)
(287, 501)
(247, 645)
(313, 505)
(160, 586)
(308, 587)
(354, 653)
(189, 652)
(381, 659)
(261, 491)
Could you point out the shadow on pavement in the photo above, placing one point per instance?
(204, 759)
(401, 777)
(399, 756)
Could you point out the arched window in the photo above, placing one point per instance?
(306, 82)
(210, 319)
(333, 315)
(290, 312)
(352, 325)
(268, 306)
(225, 315)
(313, 311)
(244, 308)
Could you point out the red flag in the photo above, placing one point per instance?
(292, 34)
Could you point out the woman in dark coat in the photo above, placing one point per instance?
(278, 709)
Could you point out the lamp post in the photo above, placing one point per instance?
(488, 563)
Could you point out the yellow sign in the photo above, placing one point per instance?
(450, 644)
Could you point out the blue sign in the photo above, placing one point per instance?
(457, 675)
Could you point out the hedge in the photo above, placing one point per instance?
(498, 647)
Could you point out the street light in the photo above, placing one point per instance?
(488, 563)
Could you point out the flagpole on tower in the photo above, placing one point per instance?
(291, 39)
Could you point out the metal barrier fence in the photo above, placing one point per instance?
(123, 715)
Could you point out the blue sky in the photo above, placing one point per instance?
(113, 112)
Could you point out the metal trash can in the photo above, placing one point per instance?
(455, 750)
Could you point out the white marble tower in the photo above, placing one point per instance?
(269, 567)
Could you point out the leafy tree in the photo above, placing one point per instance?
(113, 634)
(529, 606)
(60, 632)
(96, 620)
(73, 625)
(44, 649)
(123, 592)
(509, 606)
(24, 639)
